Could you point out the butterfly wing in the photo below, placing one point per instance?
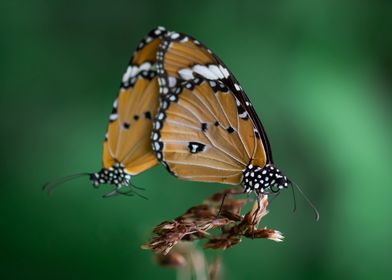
(205, 129)
(128, 135)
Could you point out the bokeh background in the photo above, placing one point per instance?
(319, 74)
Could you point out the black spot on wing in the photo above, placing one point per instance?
(230, 129)
(204, 127)
(126, 125)
(196, 147)
(135, 117)
(147, 115)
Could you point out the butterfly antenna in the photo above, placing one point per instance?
(49, 186)
(138, 188)
(127, 193)
(112, 193)
(138, 194)
(307, 200)
(294, 200)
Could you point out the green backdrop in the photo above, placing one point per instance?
(318, 73)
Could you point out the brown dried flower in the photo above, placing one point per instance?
(200, 221)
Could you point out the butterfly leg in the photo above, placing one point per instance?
(224, 198)
(117, 190)
(222, 202)
(110, 194)
(134, 186)
(132, 193)
(113, 192)
(257, 210)
(254, 215)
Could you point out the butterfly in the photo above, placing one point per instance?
(206, 128)
(127, 146)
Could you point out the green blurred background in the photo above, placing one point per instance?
(319, 74)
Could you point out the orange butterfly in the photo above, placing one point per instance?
(206, 129)
(127, 146)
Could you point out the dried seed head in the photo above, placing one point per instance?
(199, 221)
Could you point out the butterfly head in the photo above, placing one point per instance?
(263, 180)
(114, 175)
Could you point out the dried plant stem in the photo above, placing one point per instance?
(195, 265)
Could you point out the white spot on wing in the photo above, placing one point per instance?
(186, 74)
(132, 71)
(243, 115)
(172, 81)
(205, 72)
(194, 148)
(175, 35)
(127, 74)
(215, 69)
(224, 71)
(144, 66)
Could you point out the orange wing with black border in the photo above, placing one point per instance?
(205, 129)
(127, 146)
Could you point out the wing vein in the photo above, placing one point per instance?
(202, 165)
(209, 139)
(227, 118)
